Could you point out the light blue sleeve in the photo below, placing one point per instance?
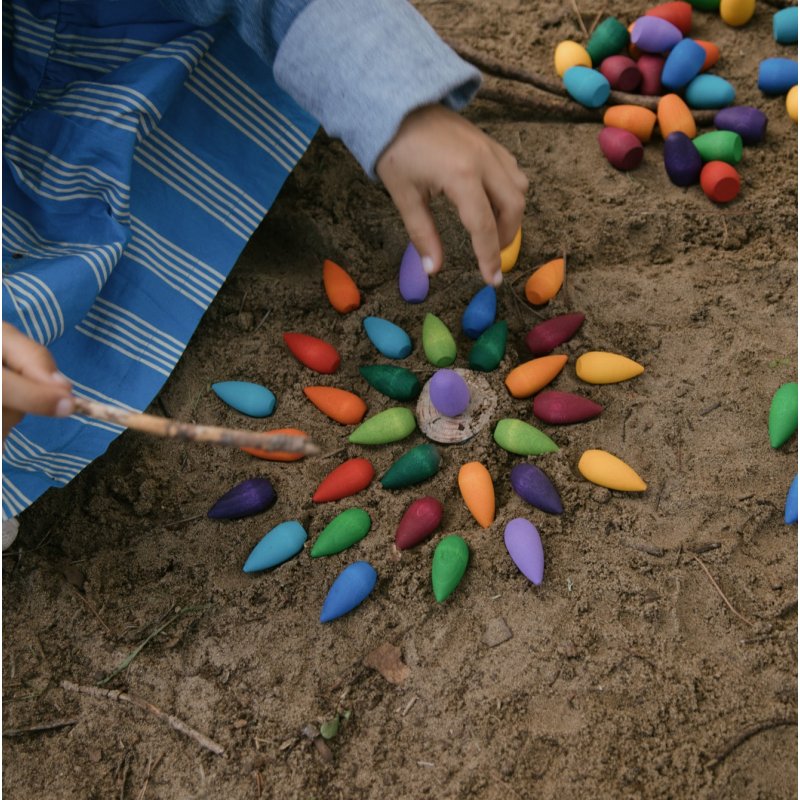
(359, 66)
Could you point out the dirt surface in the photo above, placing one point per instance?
(624, 674)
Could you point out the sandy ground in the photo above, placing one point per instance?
(625, 674)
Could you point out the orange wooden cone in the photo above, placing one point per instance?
(277, 455)
(544, 283)
(712, 54)
(477, 489)
(530, 377)
(675, 115)
(340, 287)
(636, 119)
(338, 404)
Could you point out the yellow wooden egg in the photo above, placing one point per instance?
(600, 367)
(602, 468)
(737, 12)
(570, 54)
(791, 102)
(510, 254)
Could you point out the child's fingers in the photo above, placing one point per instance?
(508, 202)
(420, 227)
(475, 212)
(515, 174)
(29, 358)
(20, 393)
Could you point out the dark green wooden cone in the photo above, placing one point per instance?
(388, 426)
(398, 383)
(341, 532)
(490, 347)
(719, 146)
(609, 37)
(523, 439)
(437, 342)
(450, 561)
(783, 414)
(417, 465)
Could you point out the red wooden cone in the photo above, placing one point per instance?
(312, 352)
(347, 479)
(678, 12)
(419, 521)
(563, 408)
(543, 338)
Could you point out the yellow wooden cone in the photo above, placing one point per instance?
(791, 102)
(533, 375)
(477, 489)
(598, 367)
(510, 254)
(602, 468)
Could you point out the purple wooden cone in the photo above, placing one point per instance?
(413, 279)
(563, 408)
(525, 548)
(543, 338)
(449, 392)
(682, 160)
(248, 497)
(748, 122)
(654, 35)
(534, 487)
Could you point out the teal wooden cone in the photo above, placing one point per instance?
(388, 426)
(341, 532)
(523, 439)
(450, 561)
(417, 465)
(488, 351)
(437, 342)
(398, 383)
(783, 414)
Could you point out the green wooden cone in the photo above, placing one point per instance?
(388, 426)
(437, 342)
(719, 146)
(783, 414)
(450, 561)
(398, 383)
(518, 437)
(341, 532)
(609, 37)
(490, 347)
(417, 465)
(705, 5)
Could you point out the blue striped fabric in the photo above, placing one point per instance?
(123, 208)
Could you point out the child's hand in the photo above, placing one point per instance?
(437, 151)
(31, 382)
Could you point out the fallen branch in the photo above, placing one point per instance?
(45, 726)
(721, 593)
(543, 105)
(748, 733)
(145, 705)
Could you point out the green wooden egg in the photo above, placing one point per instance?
(417, 465)
(398, 383)
(450, 561)
(609, 37)
(343, 531)
(490, 347)
(783, 414)
(387, 426)
(523, 439)
(719, 146)
(437, 342)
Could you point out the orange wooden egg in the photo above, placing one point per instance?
(269, 455)
(636, 119)
(712, 54)
(346, 480)
(340, 405)
(340, 287)
(544, 283)
(675, 115)
(477, 489)
(533, 375)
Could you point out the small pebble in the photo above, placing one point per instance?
(497, 632)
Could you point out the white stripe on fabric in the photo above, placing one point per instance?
(68, 109)
(48, 297)
(133, 343)
(56, 459)
(13, 498)
(28, 317)
(88, 331)
(22, 11)
(28, 332)
(139, 323)
(143, 101)
(90, 393)
(40, 303)
(30, 45)
(109, 427)
(15, 457)
(56, 55)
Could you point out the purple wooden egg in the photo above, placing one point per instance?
(563, 408)
(248, 497)
(543, 338)
(682, 160)
(621, 72)
(534, 487)
(650, 68)
(413, 280)
(419, 521)
(622, 149)
(525, 548)
(655, 35)
(449, 393)
(748, 122)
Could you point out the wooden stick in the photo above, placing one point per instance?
(45, 726)
(721, 593)
(145, 705)
(543, 105)
(746, 734)
(186, 431)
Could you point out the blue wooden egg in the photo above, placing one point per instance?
(683, 63)
(390, 339)
(349, 590)
(784, 25)
(681, 159)
(790, 511)
(588, 86)
(449, 392)
(249, 398)
(280, 544)
(480, 312)
(655, 35)
(750, 123)
(709, 91)
(413, 281)
(777, 75)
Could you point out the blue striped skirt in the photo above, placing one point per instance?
(139, 155)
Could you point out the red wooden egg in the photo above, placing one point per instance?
(621, 72)
(678, 13)
(622, 149)
(563, 408)
(347, 479)
(650, 68)
(312, 352)
(419, 521)
(720, 181)
(543, 338)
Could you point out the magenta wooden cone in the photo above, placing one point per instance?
(650, 68)
(563, 408)
(543, 338)
(419, 521)
(622, 149)
(621, 72)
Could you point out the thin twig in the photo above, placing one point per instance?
(149, 771)
(176, 522)
(150, 708)
(263, 320)
(721, 593)
(90, 606)
(748, 733)
(580, 18)
(45, 726)
(596, 20)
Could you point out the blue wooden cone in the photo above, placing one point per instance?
(280, 544)
(349, 590)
